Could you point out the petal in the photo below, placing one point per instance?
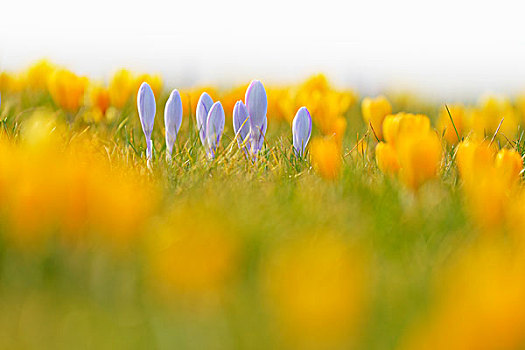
(172, 118)
(215, 127)
(256, 103)
(203, 108)
(241, 126)
(257, 137)
(146, 107)
(263, 134)
(301, 130)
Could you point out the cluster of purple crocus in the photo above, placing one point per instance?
(210, 123)
(172, 117)
(249, 121)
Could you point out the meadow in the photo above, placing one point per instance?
(397, 225)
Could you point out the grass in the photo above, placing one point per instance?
(92, 299)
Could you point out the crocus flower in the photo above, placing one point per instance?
(241, 125)
(172, 120)
(510, 164)
(256, 105)
(374, 111)
(419, 157)
(214, 128)
(386, 158)
(326, 157)
(203, 109)
(99, 98)
(121, 88)
(259, 142)
(67, 89)
(455, 125)
(301, 130)
(146, 107)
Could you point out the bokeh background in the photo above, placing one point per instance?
(445, 49)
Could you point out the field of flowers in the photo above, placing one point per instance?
(259, 216)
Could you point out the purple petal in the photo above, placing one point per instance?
(214, 127)
(172, 119)
(263, 134)
(241, 126)
(301, 130)
(203, 108)
(146, 107)
(257, 137)
(256, 103)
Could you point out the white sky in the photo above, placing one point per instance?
(444, 48)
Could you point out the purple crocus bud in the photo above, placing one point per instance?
(214, 128)
(203, 108)
(256, 103)
(146, 107)
(301, 130)
(263, 134)
(172, 119)
(257, 137)
(241, 125)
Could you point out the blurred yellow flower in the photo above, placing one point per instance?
(122, 87)
(510, 162)
(10, 82)
(99, 98)
(480, 303)
(419, 158)
(67, 89)
(51, 184)
(386, 158)
(194, 254)
(326, 157)
(374, 111)
(515, 217)
(402, 124)
(447, 128)
(412, 149)
(317, 287)
(489, 181)
(520, 105)
(473, 157)
(327, 106)
(281, 103)
(492, 111)
(39, 73)
(122, 204)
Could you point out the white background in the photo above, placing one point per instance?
(446, 49)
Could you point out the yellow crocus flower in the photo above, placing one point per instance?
(419, 158)
(386, 158)
(67, 89)
(374, 111)
(122, 87)
(447, 128)
(38, 74)
(326, 157)
(398, 124)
